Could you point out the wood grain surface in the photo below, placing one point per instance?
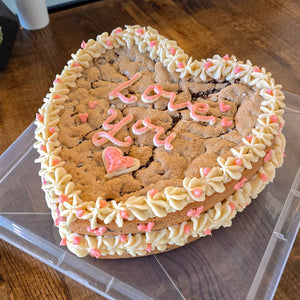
(266, 32)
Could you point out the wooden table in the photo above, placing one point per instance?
(266, 32)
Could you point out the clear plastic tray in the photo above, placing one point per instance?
(243, 261)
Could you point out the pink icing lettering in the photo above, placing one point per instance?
(95, 252)
(159, 131)
(195, 213)
(226, 123)
(116, 92)
(157, 89)
(202, 107)
(113, 114)
(197, 107)
(240, 184)
(224, 107)
(138, 128)
(101, 137)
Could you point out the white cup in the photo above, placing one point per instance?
(32, 14)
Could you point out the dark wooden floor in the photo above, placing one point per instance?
(266, 32)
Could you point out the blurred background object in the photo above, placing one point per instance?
(8, 30)
(32, 14)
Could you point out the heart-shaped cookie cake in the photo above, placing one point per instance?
(143, 149)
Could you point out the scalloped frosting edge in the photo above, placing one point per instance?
(57, 182)
(144, 243)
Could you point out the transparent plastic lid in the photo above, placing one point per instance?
(243, 261)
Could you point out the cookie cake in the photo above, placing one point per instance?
(143, 149)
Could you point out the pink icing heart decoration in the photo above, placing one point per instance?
(224, 107)
(226, 123)
(93, 104)
(83, 117)
(116, 164)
